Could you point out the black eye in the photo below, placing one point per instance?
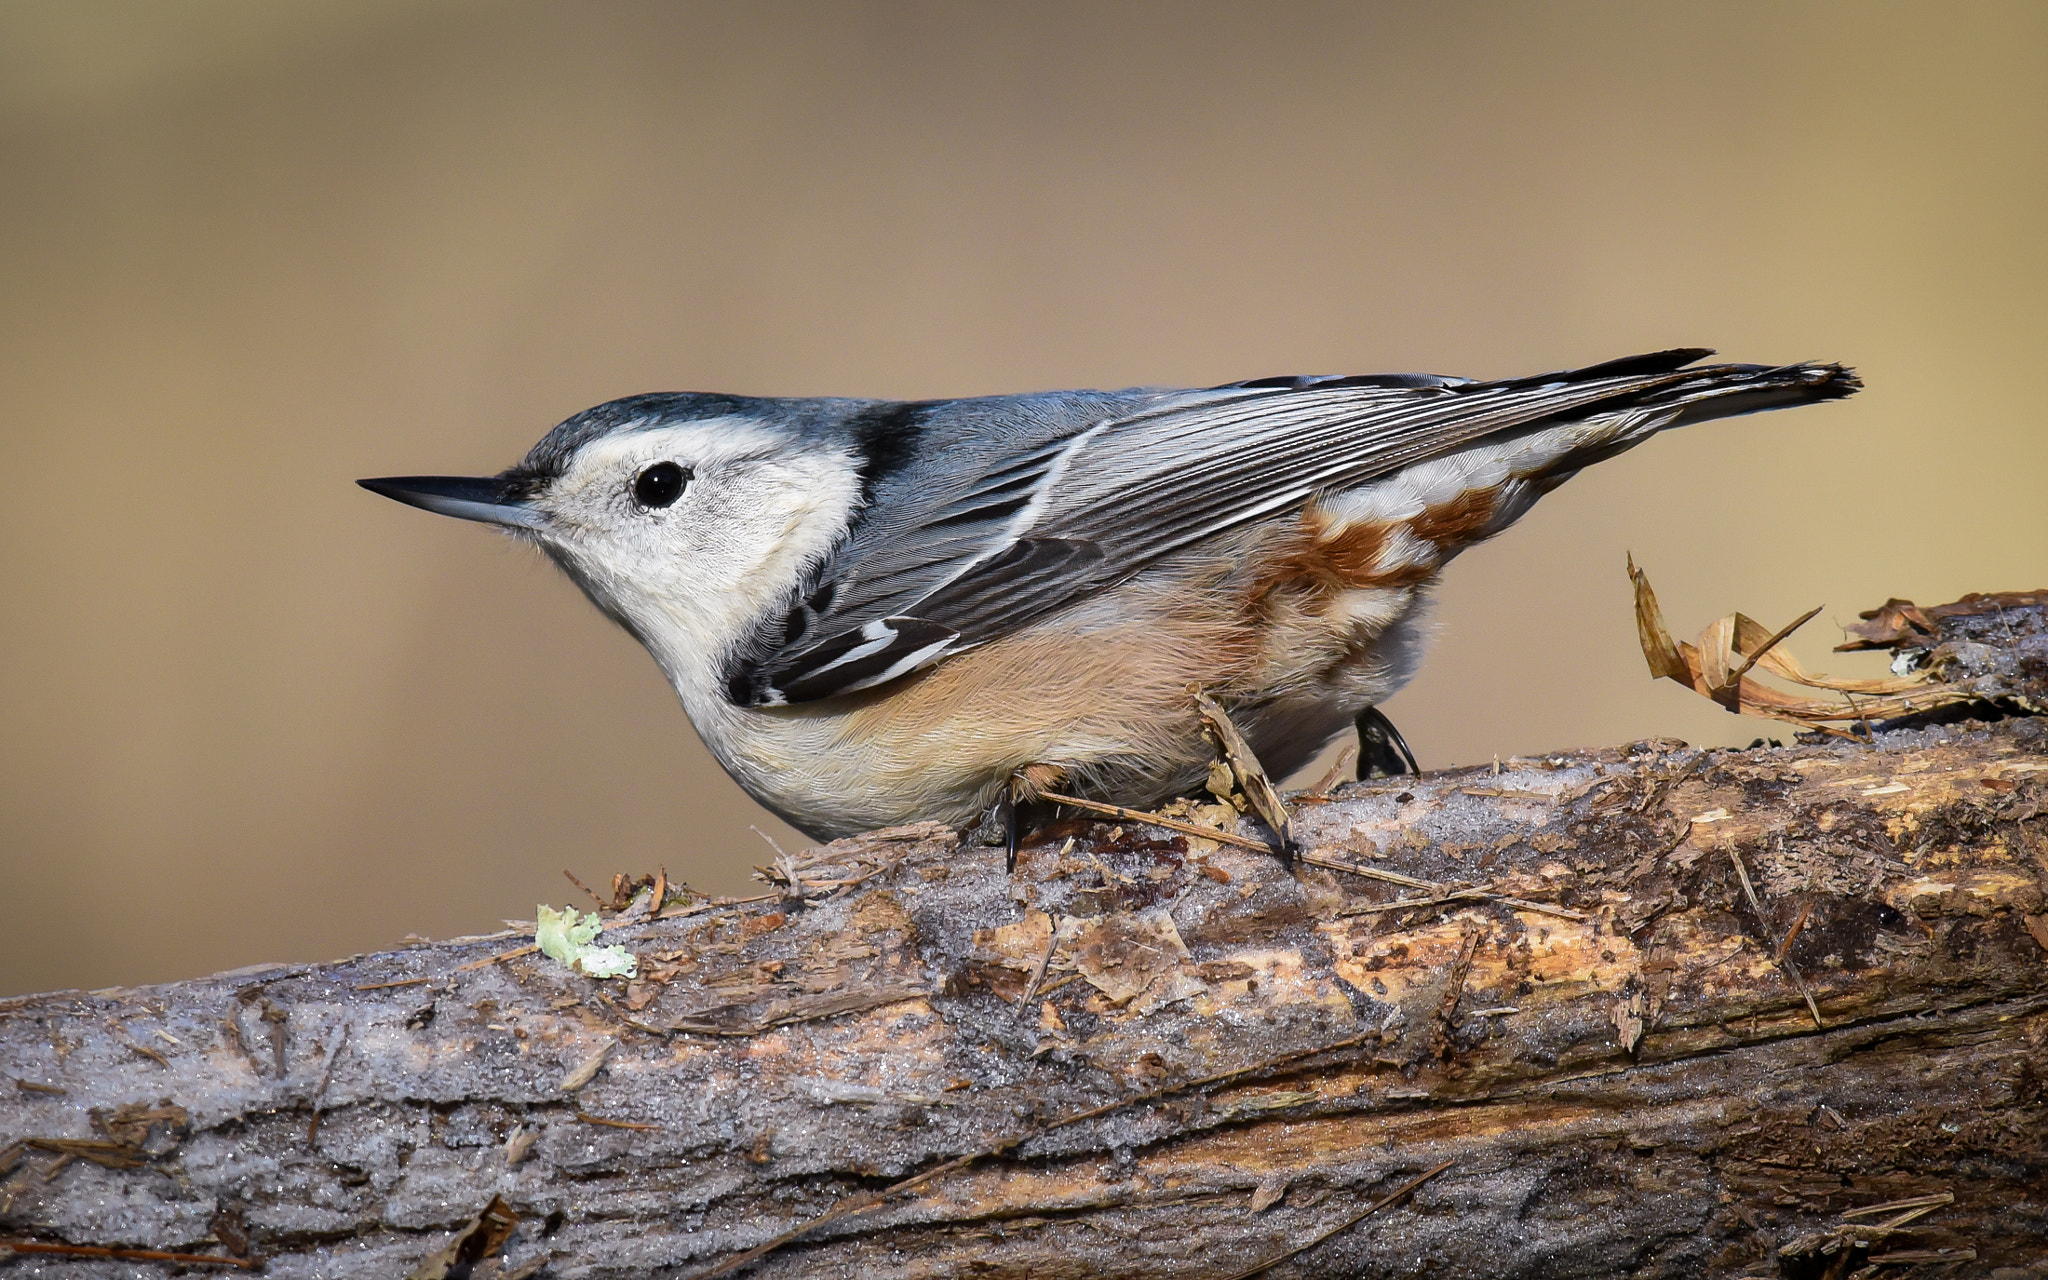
(660, 485)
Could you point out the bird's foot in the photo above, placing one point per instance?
(1382, 751)
(1020, 810)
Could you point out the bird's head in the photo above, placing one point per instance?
(686, 518)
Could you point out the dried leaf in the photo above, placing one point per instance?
(1244, 765)
(130, 1124)
(1719, 662)
(479, 1240)
(1892, 624)
(586, 1070)
(1174, 984)
(1126, 955)
(1658, 649)
(110, 1155)
(1016, 946)
(1222, 783)
(229, 1228)
(1730, 647)
(1761, 649)
(520, 1144)
(1758, 646)
(2038, 926)
(1270, 1189)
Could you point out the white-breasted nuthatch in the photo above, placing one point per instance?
(880, 612)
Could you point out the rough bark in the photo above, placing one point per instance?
(1607, 1034)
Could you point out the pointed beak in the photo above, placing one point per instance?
(485, 498)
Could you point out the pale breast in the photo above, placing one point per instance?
(1297, 624)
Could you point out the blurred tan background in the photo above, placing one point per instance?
(254, 251)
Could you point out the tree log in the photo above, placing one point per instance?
(1651, 1010)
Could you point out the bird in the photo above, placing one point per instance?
(879, 612)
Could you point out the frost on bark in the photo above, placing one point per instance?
(1661, 1011)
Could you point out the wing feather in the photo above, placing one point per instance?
(1015, 506)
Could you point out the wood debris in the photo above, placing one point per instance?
(1718, 664)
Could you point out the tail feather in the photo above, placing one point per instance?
(1699, 395)
(1647, 380)
(1662, 379)
(1648, 365)
(1733, 390)
(1458, 498)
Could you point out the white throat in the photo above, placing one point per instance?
(695, 580)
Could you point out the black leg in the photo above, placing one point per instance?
(1382, 751)
(1020, 818)
(1013, 823)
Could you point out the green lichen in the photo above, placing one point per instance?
(561, 935)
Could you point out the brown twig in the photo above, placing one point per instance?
(1454, 991)
(587, 1118)
(1467, 896)
(1791, 970)
(1052, 943)
(1158, 820)
(326, 1078)
(1328, 782)
(1748, 889)
(845, 887)
(108, 1155)
(1805, 914)
(1869, 734)
(619, 922)
(485, 963)
(811, 1011)
(601, 903)
(129, 1255)
(1442, 893)
(1404, 904)
(1541, 908)
(1934, 1201)
(699, 908)
(1373, 873)
(145, 1051)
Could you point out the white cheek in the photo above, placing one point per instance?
(697, 578)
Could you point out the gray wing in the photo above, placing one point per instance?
(1010, 508)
